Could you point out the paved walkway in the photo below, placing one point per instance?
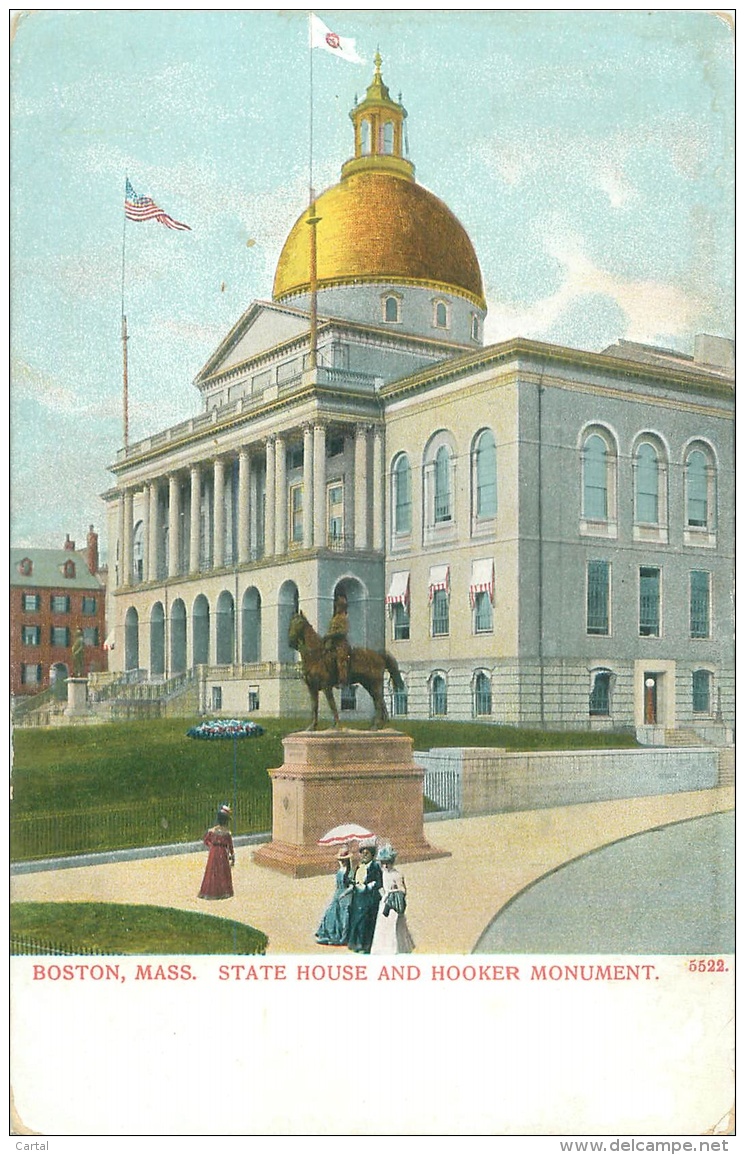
(452, 900)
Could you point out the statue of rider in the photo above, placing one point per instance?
(335, 641)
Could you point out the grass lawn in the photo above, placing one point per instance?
(127, 784)
(111, 928)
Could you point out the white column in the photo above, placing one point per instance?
(151, 573)
(307, 486)
(120, 540)
(196, 510)
(127, 561)
(269, 499)
(174, 525)
(280, 496)
(244, 469)
(378, 497)
(218, 513)
(319, 485)
(360, 487)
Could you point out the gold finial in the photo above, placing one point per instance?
(378, 62)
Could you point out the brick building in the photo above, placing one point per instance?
(53, 594)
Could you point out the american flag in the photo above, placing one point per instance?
(137, 208)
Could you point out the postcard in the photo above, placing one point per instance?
(372, 564)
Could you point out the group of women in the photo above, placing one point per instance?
(367, 912)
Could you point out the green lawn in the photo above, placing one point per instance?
(128, 784)
(112, 928)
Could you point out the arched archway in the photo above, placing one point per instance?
(225, 629)
(157, 641)
(357, 608)
(132, 640)
(178, 637)
(251, 626)
(200, 624)
(288, 604)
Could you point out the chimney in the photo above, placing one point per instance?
(69, 544)
(92, 543)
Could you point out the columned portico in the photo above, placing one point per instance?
(218, 560)
(151, 557)
(174, 525)
(196, 509)
(280, 495)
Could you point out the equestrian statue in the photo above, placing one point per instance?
(331, 661)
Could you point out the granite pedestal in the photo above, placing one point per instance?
(333, 777)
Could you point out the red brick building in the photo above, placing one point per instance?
(53, 594)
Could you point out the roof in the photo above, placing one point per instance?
(47, 570)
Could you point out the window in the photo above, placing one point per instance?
(700, 604)
(600, 694)
(438, 696)
(60, 604)
(485, 475)
(335, 513)
(68, 569)
(31, 635)
(401, 622)
(649, 601)
(402, 495)
(89, 606)
(60, 636)
(30, 675)
(253, 698)
(138, 552)
(334, 445)
(700, 490)
(474, 328)
(365, 136)
(443, 511)
(391, 308)
(598, 597)
(90, 636)
(348, 698)
(595, 491)
(399, 703)
(647, 485)
(387, 137)
(31, 603)
(217, 697)
(440, 613)
(25, 567)
(441, 318)
(701, 691)
(296, 514)
(483, 614)
(296, 456)
(482, 701)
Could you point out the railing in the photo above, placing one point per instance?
(27, 944)
(442, 778)
(128, 825)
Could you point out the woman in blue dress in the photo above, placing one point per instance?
(334, 928)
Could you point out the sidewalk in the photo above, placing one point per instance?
(451, 900)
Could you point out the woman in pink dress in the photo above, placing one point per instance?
(218, 881)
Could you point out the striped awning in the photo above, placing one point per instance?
(439, 579)
(482, 579)
(398, 590)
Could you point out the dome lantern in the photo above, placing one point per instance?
(378, 131)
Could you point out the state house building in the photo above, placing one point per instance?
(541, 536)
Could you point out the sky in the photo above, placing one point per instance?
(589, 155)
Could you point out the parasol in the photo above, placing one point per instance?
(352, 831)
(218, 728)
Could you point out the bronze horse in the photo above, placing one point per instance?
(366, 668)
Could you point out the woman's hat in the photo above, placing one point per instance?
(343, 852)
(387, 853)
(224, 809)
(368, 844)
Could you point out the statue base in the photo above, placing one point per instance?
(332, 778)
(77, 698)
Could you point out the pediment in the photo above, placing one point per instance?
(262, 327)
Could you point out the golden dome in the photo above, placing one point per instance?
(378, 226)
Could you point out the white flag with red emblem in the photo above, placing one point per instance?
(323, 37)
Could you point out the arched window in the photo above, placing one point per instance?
(600, 694)
(474, 327)
(595, 481)
(441, 315)
(387, 137)
(138, 552)
(401, 495)
(698, 506)
(482, 699)
(443, 492)
(438, 696)
(485, 475)
(647, 485)
(391, 308)
(365, 137)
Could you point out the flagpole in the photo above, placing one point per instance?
(125, 367)
(313, 222)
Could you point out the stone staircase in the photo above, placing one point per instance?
(727, 766)
(684, 738)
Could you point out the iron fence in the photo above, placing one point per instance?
(27, 944)
(128, 825)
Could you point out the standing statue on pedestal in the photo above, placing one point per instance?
(324, 664)
(78, 655)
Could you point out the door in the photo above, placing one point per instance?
(650, 699)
